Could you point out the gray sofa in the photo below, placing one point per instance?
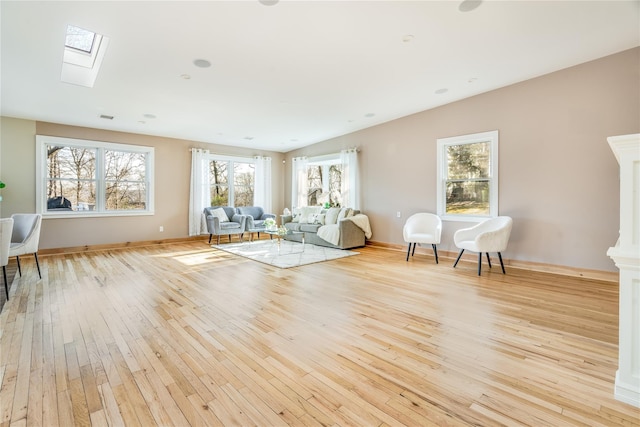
(351, 236)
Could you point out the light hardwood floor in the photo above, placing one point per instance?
(182, 334)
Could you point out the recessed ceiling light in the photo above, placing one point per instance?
(441, 91)
(248, 138)
(407, 38)
(268, 2)
(106, 117)
(369, 115)
(149, 116)
(469, 5)
(202, 63)
(185, 76)
(472, 79)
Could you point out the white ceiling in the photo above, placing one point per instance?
(295, 73)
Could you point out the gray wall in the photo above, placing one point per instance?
(558, 177)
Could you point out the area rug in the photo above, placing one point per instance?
(289, 254)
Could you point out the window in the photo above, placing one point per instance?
(468, 176)
(89, 178)
(232, 181)
(324, 180)
(82, 56)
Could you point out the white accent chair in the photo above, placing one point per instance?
(6, 228)
(423, 228)
(25, 237)
(491, 235)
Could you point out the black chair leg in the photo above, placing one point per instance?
(435, 252)
(501, 264)
(37, 264)
(488, 260)
(6, 284)
(479, 263)
(413, 252)
(19, 268)
(458, 259)
(210, 236)
(408, 251)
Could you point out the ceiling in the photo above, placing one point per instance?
(295, 73)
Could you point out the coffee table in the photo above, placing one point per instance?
(278, 235)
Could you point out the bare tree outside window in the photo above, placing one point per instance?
(125, 179)
(243, 183)
(71, 176)
(219, 182)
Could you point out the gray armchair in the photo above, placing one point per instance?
(255, 217)
(219, 224)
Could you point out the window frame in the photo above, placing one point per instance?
(100, 146)
(492, 137)
(231, 173)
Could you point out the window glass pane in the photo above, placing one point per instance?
(79, 38)
(126, 195)
(335, 185)
(468, 197)
(124, 166)
(314, 179)
(243, 183)
(67, 195)
(467, 161)
(71, 162)
(219, 182)
(70, 178)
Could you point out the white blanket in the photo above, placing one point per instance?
(331, 232)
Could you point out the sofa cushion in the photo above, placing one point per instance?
(309, 228)
(220, 214)
(308, 214)
(294, 226)
(331, 217)
(229, 225)
(344, 213)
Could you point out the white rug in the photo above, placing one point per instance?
(290, 254)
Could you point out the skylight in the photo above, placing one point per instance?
(79, 38)
(83, 54)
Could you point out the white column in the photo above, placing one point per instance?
(626, 255)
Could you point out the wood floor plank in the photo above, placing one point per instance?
(182, 334)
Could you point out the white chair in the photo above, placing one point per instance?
(491, 235)
(422, 228)
(25, 237)
(6, 228)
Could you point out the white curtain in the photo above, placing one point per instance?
(350, 186)
(199, 193)
(299, 184)
(262, 192)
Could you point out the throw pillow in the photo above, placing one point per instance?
(220, 214)
(344, 213)
(331, 217)
(307, 214)
(320, 219)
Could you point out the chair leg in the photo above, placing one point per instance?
(229, 238)
(413, 252)
(19, 267)
(479, 263)
(488, 260)
(6, 284)
(435, 252)
(458, 259)
(210, 236)
(218, 239)
(408, 251)
(35, 254)
(501, 264)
